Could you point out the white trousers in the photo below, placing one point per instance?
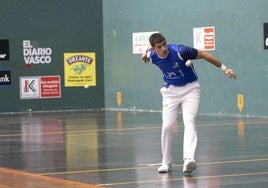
(187, 97)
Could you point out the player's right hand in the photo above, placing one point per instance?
(230, 73)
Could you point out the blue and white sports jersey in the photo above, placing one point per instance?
(173, 66)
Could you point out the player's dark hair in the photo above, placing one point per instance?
(156, 38)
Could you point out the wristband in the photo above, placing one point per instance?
(223, 67)
(148, 54)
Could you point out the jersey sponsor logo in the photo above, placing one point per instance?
(175, 65)
(173, 75)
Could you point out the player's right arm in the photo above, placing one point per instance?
(213, 60)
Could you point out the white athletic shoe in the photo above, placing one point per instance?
(164, 169)
(188, 166)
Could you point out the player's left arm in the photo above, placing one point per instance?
(146, 55)
(213, 60)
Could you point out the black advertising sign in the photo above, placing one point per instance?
(265, 35)
(4, 50)
(5, 77)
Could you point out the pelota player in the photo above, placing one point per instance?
(181, 89)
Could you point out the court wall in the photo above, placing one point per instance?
(41, 36)
(104, 29)
(239, 44)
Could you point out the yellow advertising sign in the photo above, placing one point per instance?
(79, 69)
(119, 98)
(240, 102)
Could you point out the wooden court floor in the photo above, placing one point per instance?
(122, 149)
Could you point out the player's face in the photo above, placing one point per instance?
(161, 49)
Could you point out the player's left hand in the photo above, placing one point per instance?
(145, 58)
(230, 73)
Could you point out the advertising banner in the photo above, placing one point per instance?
(204, 38)
(79, 69)
(38, 87)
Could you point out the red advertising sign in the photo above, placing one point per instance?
(209, 38)
(204, 38)
(50, 87)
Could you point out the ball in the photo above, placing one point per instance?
(86, 86)
(188, 63)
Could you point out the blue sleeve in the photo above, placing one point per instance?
(188, 52)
